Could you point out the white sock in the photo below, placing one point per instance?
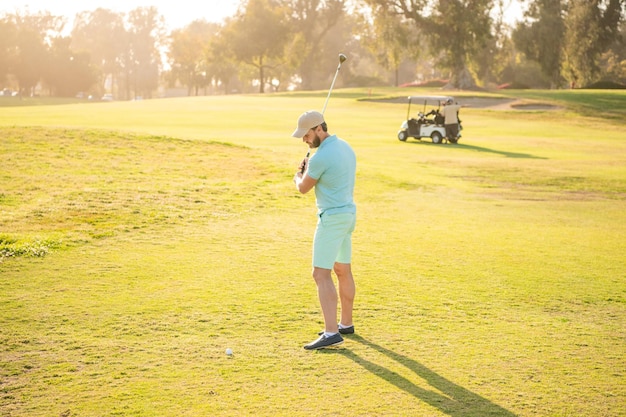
(341, 326)
(329, 334)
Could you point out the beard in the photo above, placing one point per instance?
(316, 141)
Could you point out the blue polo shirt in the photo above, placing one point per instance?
(334, 167)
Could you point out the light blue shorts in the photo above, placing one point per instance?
(333, 239)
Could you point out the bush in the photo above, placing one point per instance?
(605, 85)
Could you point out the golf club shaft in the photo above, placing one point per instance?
(342, 58)
(331, 88)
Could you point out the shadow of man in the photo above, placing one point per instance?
(451, 398)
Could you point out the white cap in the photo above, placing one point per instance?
(306, 121)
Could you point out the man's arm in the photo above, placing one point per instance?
(303, 182)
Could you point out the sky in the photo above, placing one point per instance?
(177, 13)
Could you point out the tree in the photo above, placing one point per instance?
(311, 21)
(30, 60)
(32, 39)
(610, 20)
(590, 27)
(457, 29)
(142, 60)
(258, 35)
(101, 33)
(361, 68)
(390, 39)
(8, 33)
(221, 59)
(540, 36)
(188, 54)
(462, 29)
(495, 60)
(67, 72)
(613, 62)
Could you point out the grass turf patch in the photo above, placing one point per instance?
(490, 274)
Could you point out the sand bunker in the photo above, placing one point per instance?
(505, 104)
(491, 103)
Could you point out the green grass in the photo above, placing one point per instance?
(604, 104)
(139, 240)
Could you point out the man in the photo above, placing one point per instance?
(451, 119)
(332, 172)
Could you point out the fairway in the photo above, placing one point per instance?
(140, 240)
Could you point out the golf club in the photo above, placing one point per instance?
(342, 59)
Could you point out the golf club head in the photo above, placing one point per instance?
(342, 59)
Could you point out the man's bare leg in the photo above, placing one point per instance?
(327, 294)
(347, 291)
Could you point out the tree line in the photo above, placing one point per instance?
(272, 45)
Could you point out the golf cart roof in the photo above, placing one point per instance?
(430, 98)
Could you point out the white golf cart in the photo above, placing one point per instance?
(427, 125)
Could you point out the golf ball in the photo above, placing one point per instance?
(229, 351)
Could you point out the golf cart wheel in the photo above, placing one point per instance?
(454, 140)
(436, 137)
(402, 135)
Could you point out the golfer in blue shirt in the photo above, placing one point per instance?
(331, 171)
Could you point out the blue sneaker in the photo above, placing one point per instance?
(323, 342)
